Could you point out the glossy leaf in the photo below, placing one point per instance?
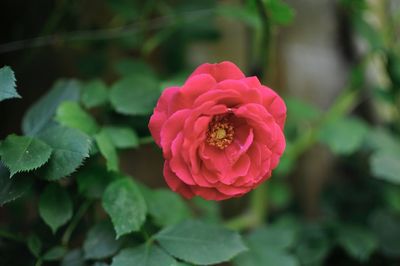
(12, 188)
(73, 258)
(108, 150)
(21, 153)
(55, 206)
(100, 242)
(166, 207)
(134, 95)
(344, 136)
(70, 114)
(34, 244)
(94, 93)
(386, 166)
(7, 84)
(144, 255)
(40, 115)
(122, 137)
(125, 205)
(358, 242)
(70, 148)
(200, 243)
(269, 246)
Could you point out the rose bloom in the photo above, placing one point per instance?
(221, 132)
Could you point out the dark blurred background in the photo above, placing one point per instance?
(335, 62)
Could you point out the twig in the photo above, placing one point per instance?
(75, 221)
(102, 34)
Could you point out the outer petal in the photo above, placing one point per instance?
(188, 93)
(220, 71)
(175, 183)
(160, 114)
(209, 193)
(274, 104)
(170, 130)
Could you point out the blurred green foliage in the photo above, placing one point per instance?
(65, 168)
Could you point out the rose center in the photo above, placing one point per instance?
(220, 132)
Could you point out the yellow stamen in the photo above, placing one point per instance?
(220, 132)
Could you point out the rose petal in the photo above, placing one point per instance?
(160, 114)
(170, 130)
(175, 183)
(220, 71)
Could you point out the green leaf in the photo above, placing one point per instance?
(134, 95)
(385, 160)
(55, 253)
(313, 246)
(200, 243)
(34, 245)
(280, 12)
(125, 204)
(21, 154)
(55, 206)
(100, 242)
(268, 246)
(383, 140)
(70, 148)
(261, 257)
(12, 189)
(344, 136)
(279, 238)
(73, 258)
(166, 207)
(301, 111)
(70, 114)
(122, 137)
(392, 196)
(7, 84)
(40, 115)
(386, 166)
(144, 255)
(358, 242)
(107, 149)
(386, 226)
(93, 181)
(94, 93)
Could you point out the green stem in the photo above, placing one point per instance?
(258, 203)
(257, 212)
(11, 236)
(146, 140)
(75, 221)
(263, 56)
(39, 262)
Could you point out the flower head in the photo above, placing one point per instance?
(221, 132)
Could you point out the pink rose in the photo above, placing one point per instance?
(221, 132)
